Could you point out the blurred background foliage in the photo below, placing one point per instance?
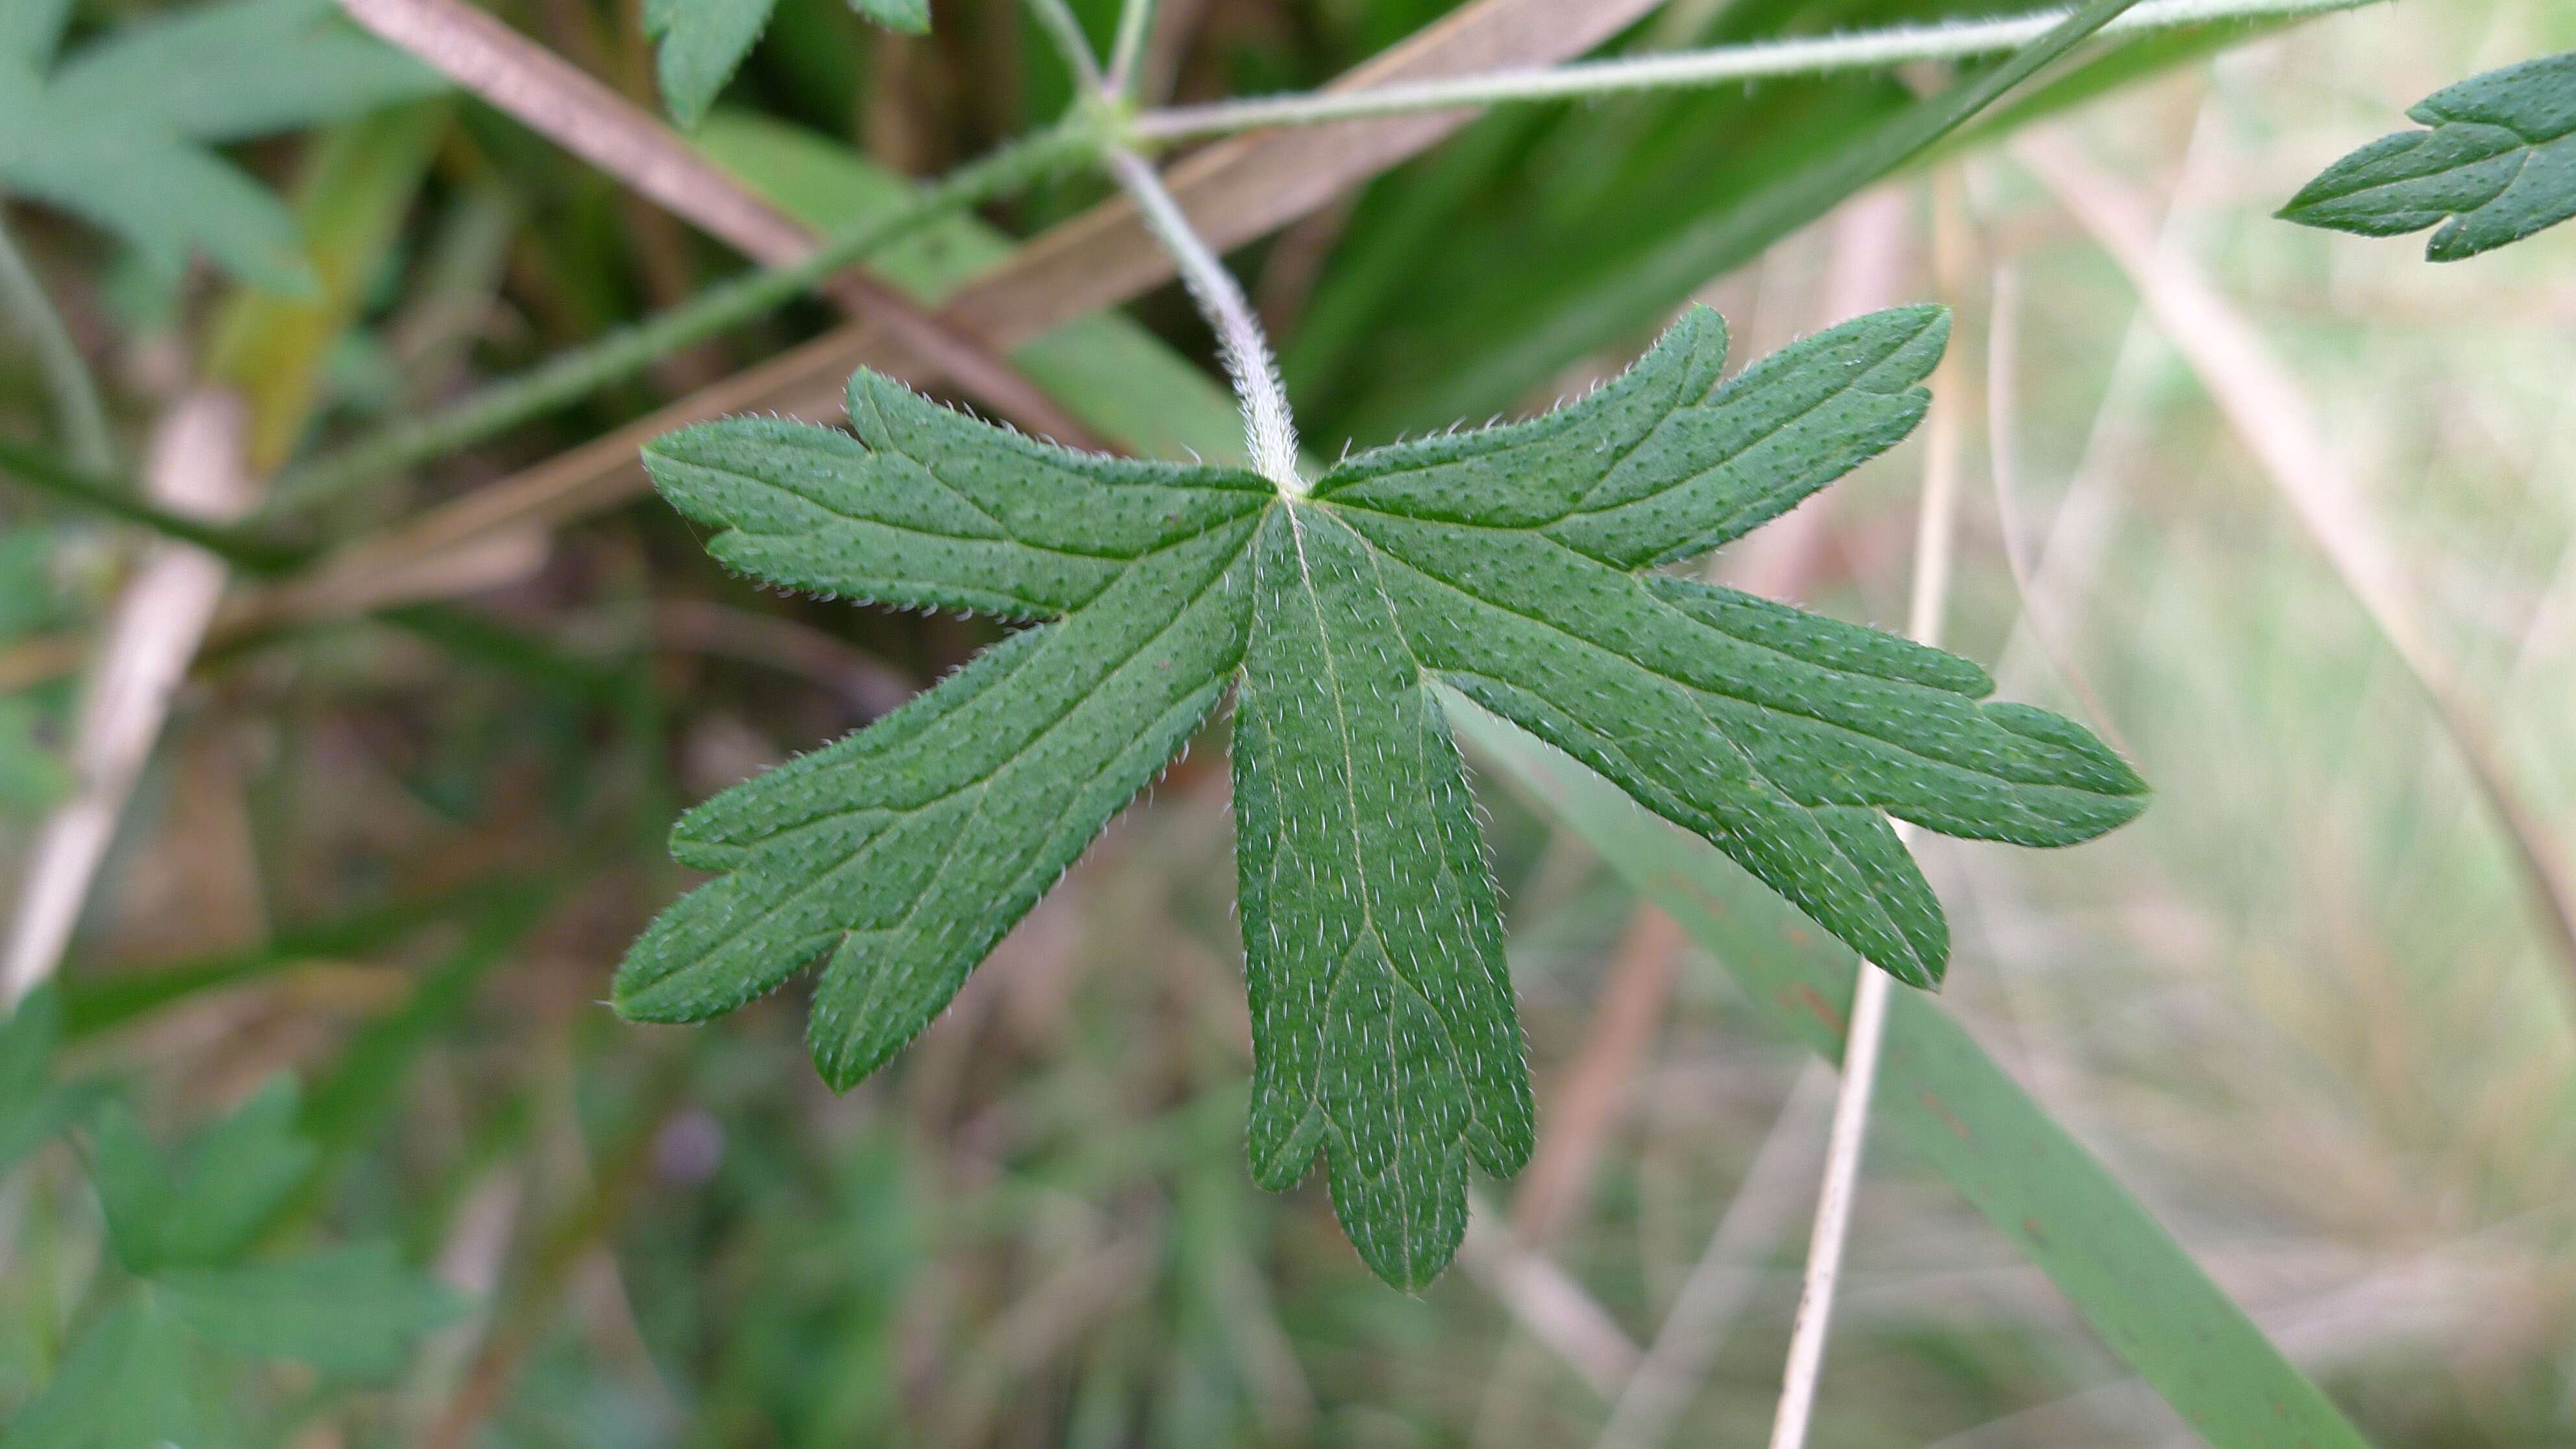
(2303, 1007)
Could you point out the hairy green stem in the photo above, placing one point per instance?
(574, 375)
(77, 409)
(121, 500)
(1817, 55)
(1066, 31)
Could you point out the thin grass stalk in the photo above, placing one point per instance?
(1934, 529)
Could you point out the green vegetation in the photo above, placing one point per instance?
(1459, 748)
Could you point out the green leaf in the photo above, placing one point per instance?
(912, 17)
(210, 1205)
(2498, 164)
(354, 1311)
(133, 1186)
(119, 133)
(703, 42)
(1516, 564)
(124, 1386)
(32, 1106)
(1954, 1108)
(234, 1176)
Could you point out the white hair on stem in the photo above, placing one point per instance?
(1269, 432)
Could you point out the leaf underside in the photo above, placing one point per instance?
(1517, 564)
(2497, 165)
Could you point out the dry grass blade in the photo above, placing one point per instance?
(2269, 411)
(1724, 1278)
(195, 468)
(1585, 1109)
(1548, 1302)
(1233, 192)
(557, 100)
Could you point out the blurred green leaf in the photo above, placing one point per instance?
(123, 1386)
(233, 1177)
(1517, 562)
(185, 1226)
(1946, 1100)
(33, 1107)
(120, 133)
(355, 1310)
(133, 1186)
(2498, 164)
(208, 1206)
(32, 776)
(703, 42)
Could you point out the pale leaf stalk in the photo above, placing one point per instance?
(1862, 1040)
(1269, 432)
(78, 413)
(1802, 56)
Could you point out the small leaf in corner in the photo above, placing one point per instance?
(2497, 165)
(703, 42)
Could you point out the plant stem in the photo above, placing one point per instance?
(622, 354)
(77, 409)
(1269, 432)
(1135, 28)
(120, 500)
(1070, 42)
(1862, 50)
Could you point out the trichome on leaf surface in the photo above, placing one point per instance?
(1518, 564)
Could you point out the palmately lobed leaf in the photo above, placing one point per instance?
(1516, 564)
(2497, 165)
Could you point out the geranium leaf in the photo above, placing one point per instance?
(2497, 164)
(1514, 563)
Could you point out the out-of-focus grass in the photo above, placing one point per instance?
(2301, 1006)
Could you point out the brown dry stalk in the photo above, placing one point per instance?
(2269, 411)
(560, 101)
